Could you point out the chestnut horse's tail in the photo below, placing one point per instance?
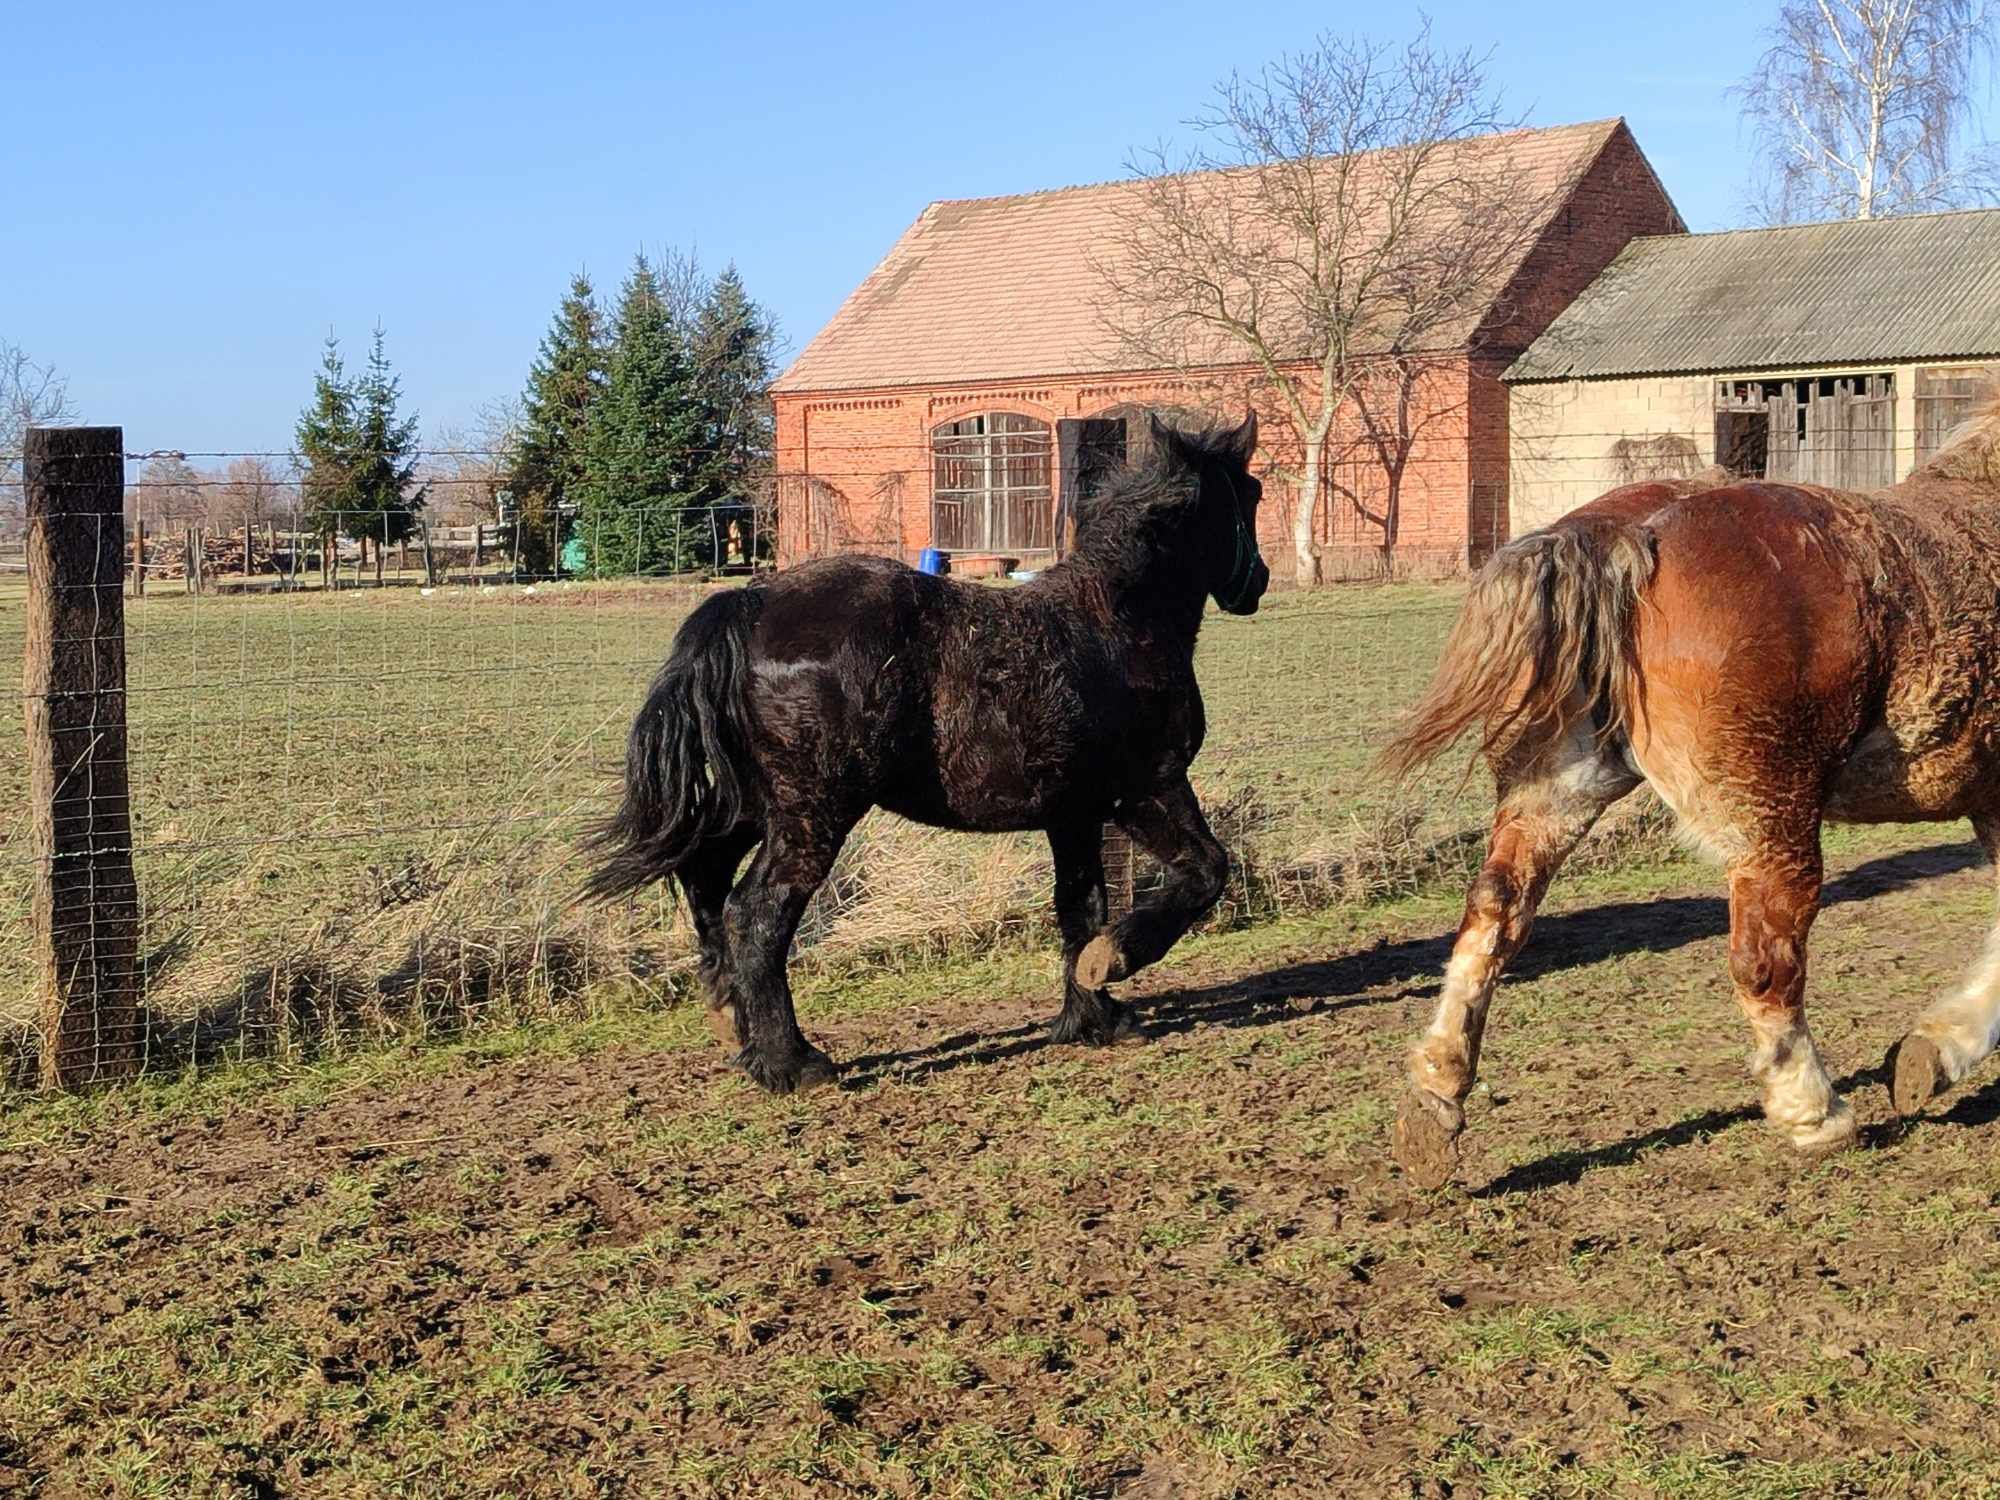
(1544, 639)
(687, 761)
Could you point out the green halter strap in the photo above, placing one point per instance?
(1244, 568)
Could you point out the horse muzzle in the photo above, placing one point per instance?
(1245, 602)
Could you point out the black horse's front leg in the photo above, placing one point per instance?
(1169, 827)
(760, 918)
(1088, 1014)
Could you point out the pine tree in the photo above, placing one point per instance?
(387, 498)
(564, 383)
(732, 339)
(329, 441)
(641, 445)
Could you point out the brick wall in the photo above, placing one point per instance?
(855, 469)
(1617, 199)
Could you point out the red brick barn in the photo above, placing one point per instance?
(967, 388)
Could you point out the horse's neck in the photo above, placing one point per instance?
(1153, 593)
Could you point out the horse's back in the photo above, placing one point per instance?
(823, 608)
(1831, 640)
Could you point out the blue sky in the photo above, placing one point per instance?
(196, 192)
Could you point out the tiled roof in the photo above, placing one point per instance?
(1855, 292)
(1009, 288)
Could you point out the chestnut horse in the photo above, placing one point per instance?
(788, 709)
(1765, 656)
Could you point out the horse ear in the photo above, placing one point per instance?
(1243, 441)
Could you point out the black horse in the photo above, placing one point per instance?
(790, 708)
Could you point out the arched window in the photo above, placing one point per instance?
(991, 488)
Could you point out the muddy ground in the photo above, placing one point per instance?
(589, 1261)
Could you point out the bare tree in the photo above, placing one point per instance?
(254, 489)
(31, 395)
(467, 468)
(170, 492)
(1862, 108)
(1351, 225)
(683, 284)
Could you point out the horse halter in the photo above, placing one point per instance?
(1243, 568)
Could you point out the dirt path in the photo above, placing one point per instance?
(989, 1266)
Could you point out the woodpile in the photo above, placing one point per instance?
(214, 559)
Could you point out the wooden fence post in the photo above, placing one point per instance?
(80, 807)
(138, 557)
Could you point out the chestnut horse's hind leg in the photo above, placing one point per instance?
(1088, 1015)
(706, 876)
(1958, 1032)
(759, 920)
(1535, 827)
(1773, 897)
(1169, 827)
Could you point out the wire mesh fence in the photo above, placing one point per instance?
(356, 801)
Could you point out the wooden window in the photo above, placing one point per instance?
(991, 484)
(1946, 398)
(1837, 430)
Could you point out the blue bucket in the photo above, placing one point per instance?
(930, 560)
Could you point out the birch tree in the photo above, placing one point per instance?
(1346, 222)
(1863, 108)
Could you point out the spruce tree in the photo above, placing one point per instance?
(386, 494)
(641, 445)
(733, 341)
(329, 441)
(564, 383)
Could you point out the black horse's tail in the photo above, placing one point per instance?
(687, 761)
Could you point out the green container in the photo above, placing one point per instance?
(574, 556)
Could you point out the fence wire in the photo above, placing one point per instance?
(357, 803)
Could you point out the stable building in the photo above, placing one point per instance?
(967, 391)
(1837, 354)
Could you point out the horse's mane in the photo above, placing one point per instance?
(1972, 449)
(1130, 499)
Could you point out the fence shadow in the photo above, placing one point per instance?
(435, 987)
(1392, 971)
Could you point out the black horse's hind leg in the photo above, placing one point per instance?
(706, 876)
(1088, 1015)
(1169, 827)
(759, 920)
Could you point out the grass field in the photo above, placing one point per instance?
(366, 804)
(568, 1253)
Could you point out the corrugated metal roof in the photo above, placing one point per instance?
(1859, 292)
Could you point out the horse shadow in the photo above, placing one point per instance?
(1979, 1106)
(1389, 972)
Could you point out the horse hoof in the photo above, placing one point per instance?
(1838, 1131)
(1916, 1074)
(1425, 1139)
(792, 1073)
(722, 1021)
(1100, 963)
(1104, 1024)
